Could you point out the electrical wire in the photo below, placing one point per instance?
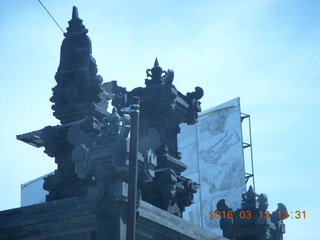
(72, 43)
(51, 16)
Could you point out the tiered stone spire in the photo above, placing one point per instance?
(78, 97)
(75, 24)
(78, 93)
(91, 145)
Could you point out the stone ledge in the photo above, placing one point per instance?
(159, 224)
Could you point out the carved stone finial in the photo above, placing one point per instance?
(156, 63)
(75, 13)
(249, 199)
(197, 94)
(75, 24)
(195, 104)
(263, 202)
(111, 124)
(251, 194)
(156, 74)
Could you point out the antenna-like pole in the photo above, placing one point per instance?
(133, 168)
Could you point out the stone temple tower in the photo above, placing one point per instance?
(88, 192)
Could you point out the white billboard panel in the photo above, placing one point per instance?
(32, 192)
(212, 150)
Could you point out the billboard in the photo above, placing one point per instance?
(32, 192)
(212, 150)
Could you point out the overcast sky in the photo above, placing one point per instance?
(267, 52)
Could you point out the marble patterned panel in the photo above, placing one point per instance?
(218, 122)
(222, 177)
(208, 205)
(212, 150)
(220, 148)
(187, 135)
(189, 156)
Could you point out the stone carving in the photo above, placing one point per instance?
(156, 74)
(80, 103)
(150, 161)
(91, 146)
(252, 221)
(52, 139)
(263, 202)
(79, 89)
(111, 124)
(81, 156)
(163, 108)
(194, 104)
(249, 199)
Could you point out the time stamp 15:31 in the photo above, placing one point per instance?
(260, 214)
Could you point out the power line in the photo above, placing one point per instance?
(74, 45)
(51, 16)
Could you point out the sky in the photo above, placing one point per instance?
(266, 52)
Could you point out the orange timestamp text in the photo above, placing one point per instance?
(260, 214)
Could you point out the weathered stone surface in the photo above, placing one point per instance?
(79, 92)
(162, 225)
(63, 219)
(79, 219)
(91, 146)
(163, 108)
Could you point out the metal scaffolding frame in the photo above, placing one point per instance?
(249, 145)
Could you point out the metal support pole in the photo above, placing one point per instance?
(133, 168)
(252, 168)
